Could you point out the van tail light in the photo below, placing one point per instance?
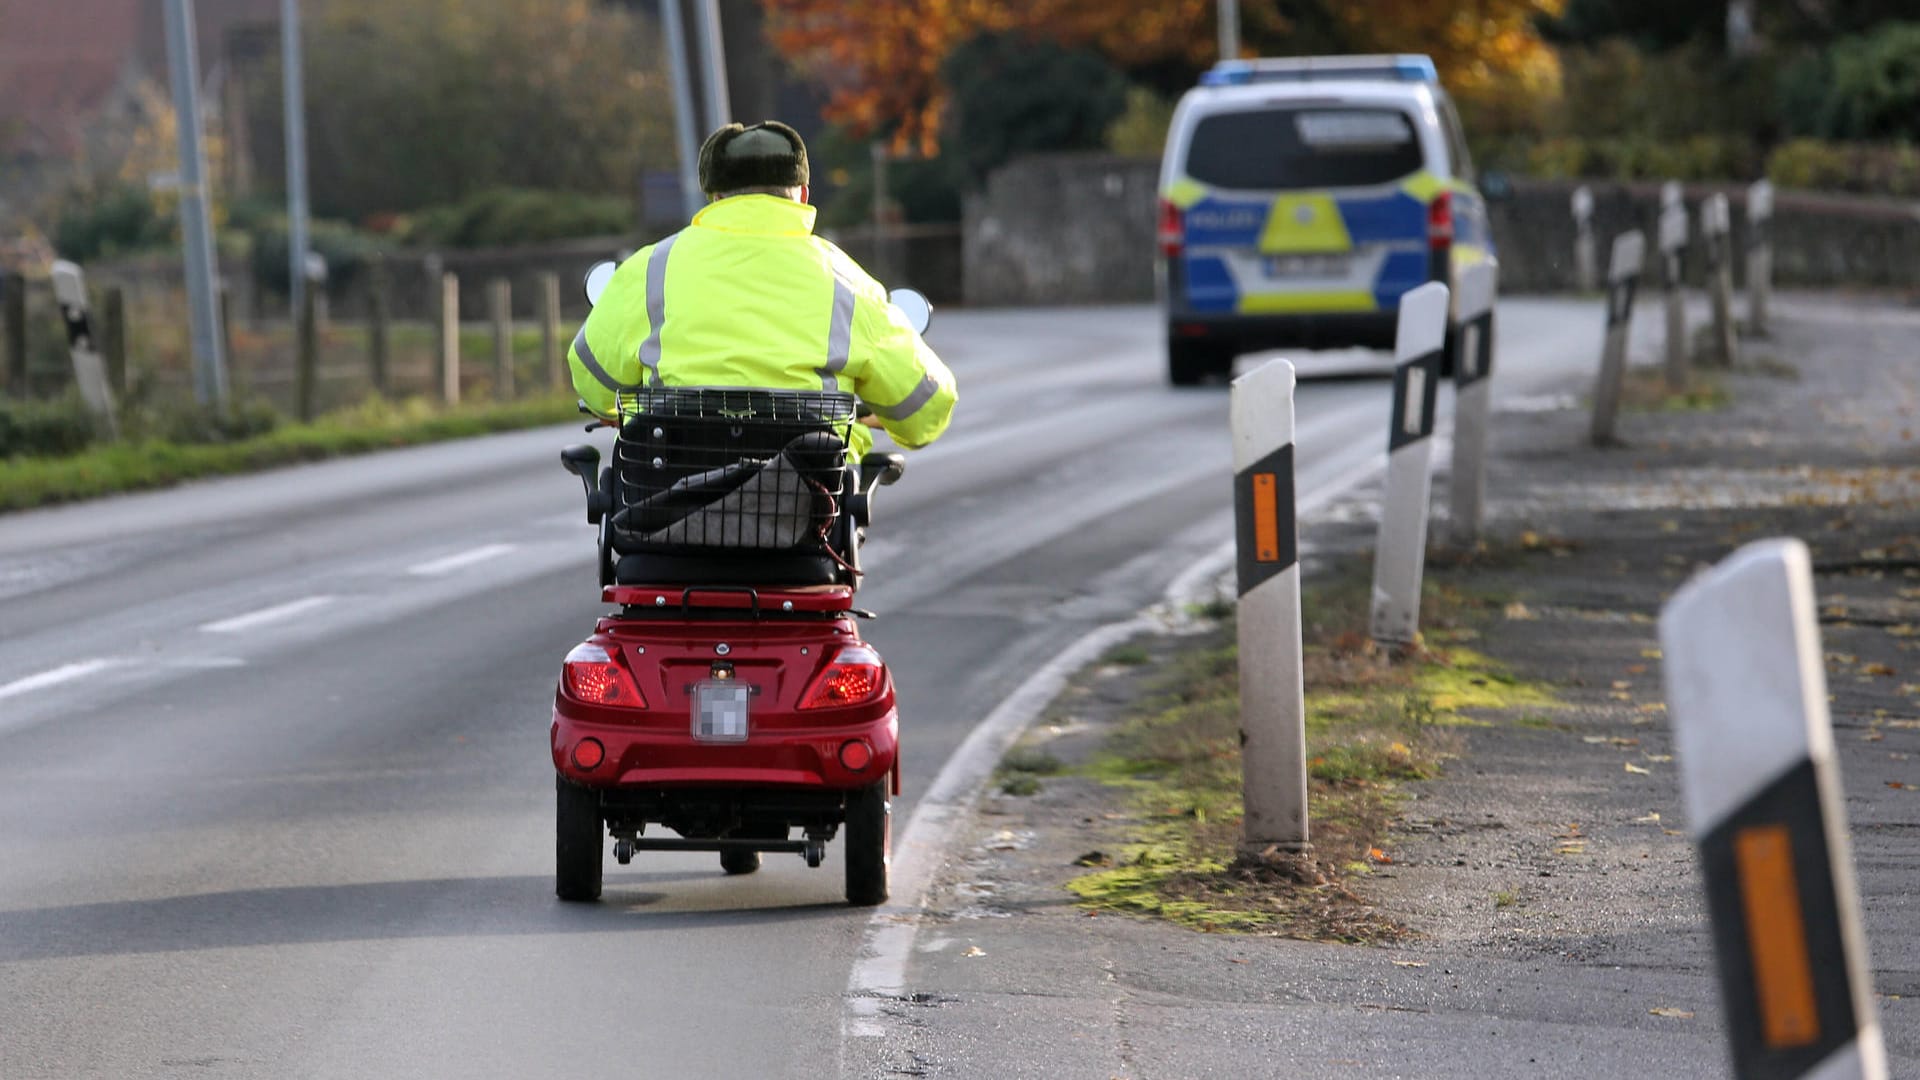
(1173, 230)
(856, 677)
(592, 675)
(1440, 220)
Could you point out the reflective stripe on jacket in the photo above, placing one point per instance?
(748, 296)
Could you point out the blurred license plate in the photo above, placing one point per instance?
(1307, 266)
(720, 711)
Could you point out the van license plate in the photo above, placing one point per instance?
(720, 711)
(1307, 266)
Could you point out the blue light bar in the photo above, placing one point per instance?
(1406, 67)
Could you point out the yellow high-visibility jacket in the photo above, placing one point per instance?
(748, 296)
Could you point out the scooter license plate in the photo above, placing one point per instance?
(720, 711)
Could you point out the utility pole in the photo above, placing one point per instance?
(1229, 29)
(294, 94)
(684, 107)
(713, 58)
(209, 366)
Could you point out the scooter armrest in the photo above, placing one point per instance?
(881, 470)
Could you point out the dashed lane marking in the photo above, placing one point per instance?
(56, 676)
(267, 615)
(460, 561)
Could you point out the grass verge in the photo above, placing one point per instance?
(376, 424)
(1646, 390)
(1374, 722)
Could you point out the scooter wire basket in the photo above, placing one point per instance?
(729, 469)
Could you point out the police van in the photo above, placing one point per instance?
(1300, 198)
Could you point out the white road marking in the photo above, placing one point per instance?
(267, 615)
(54, 677)
(460, 561)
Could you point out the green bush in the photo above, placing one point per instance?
(504, 216)
(1141, 131)
(50, 428)
(118, 221)
(345, 248)
(1862, 168)
(1013, 95)
(192, 424)
(1697, 157)
(1875, 93)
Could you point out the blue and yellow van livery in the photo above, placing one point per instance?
(1300, 199)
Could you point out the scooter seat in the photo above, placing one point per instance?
(746, 568)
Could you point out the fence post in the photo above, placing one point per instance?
(1715, 225)
(1747, 692)
(379, 315)
(306, 355)
(450, 338)
(13, 332)
(1400, 554)
(552, 363)
(1759, 255)
(1272, 691)
(1673, 247)
(1623, 279)
(500, 305)
(113, 337)
(1472, 372)
(1583, 250)
(89, 371)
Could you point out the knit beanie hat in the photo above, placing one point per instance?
(769, 154)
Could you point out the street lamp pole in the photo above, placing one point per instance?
(183, 62)
(714, 60)
(294, 95)
(684, 106)
(1229, 29)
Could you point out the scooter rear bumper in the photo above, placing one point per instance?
(786, 757)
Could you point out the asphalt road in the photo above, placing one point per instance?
(274, 791)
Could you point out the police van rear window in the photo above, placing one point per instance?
(1275, 149)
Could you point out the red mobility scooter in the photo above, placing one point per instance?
(729, 699)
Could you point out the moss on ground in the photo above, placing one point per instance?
(1374, 722)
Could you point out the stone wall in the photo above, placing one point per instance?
(1079, 228)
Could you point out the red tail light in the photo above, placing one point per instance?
(1173, 230)
(855, 677)
(591, 675)
(1440, 220)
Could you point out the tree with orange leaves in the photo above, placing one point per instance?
(880, 59)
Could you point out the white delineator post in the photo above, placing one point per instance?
(1584, 268)
(1472, 375)
(89, 370)
(1716, 225)
(1759, 255)
(1623, 279)
(1747, 692)
(1400, 553)
(1673, 251)
(1273, 729)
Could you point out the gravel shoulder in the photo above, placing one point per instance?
(1553, 923)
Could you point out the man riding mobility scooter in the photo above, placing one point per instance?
(729, 699)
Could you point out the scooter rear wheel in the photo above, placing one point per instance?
(869, 832)
(579, 842)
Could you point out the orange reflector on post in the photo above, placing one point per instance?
(1266, 518)
(1776, 937)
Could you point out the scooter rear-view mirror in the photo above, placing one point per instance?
(917, 308)
(597, 279)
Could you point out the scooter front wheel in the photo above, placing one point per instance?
(579, 842)
(869, 832)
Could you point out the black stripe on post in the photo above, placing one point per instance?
(1620, 300)
(1266, 540)
(1429, 379)
(1472, 365)
(1792, 805)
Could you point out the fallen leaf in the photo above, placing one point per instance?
(1409, 963)
(1650, 654)
(974, 950)
(1570, 847)
(1519, 612)
(1632, 768)
(1235, 960)
(1621, 695)
(1379, 856)
(1872, 736)
(1636, 669)
(1650, 819)
(1876, 669)
(1908, 724)
(1673, 832)
(1595, 740)
(1622, 684)
(1660, 759)
(1903, 630)
(1897, 785)
(1670, 1012)
(1654, 707)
